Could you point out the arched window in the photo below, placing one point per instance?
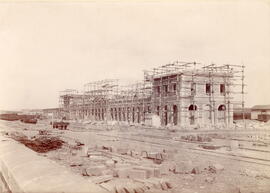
(192, 108)
(222, 108)
(165, 115)
(175, 114)
(138, 115)
(112, 114)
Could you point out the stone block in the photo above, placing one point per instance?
(113, 149)
(107, 148)
(100, 159)
(116, 160)
(183, 167)
(102, 179)
(110, 164)
(169, 184)
(114, 172)
(134, 187)
(123, 172)
(215, 168)
(153, 183)
(137, 174)
(149, 171)
(210, 179)
(83, 172)
(124, 186)
(139, 190)
(133, 153)
(120, 189)
(108, 172)
(94, 153)
(109, 186)
(234, 145)
(168, 155)
(196, 170)
(122, 151)
(163, 185)
(129, 188)
(166, 168)
(144, 154)
(157, 173)
(154, 155)
(188, 177)
(122, 165)
(95, 170)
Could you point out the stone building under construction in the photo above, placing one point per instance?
(181, 94)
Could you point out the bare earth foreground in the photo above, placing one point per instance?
(133, 158)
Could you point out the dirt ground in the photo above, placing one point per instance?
(202, 161)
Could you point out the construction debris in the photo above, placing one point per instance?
(121, 159)
(211, 147)
(198, 138)
(41, 144)
(215, 168)
(60, 125)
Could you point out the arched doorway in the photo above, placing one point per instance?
(192, 113)
(138, 115)
(102, 114)
(165, 115)
(175, 114)
(115, 113)
(128, 118)
(119, 114)
(158, 110)
(133, 114)
(112, 114)
(124, 114)
(221, 113)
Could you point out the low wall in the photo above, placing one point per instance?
(24, 171)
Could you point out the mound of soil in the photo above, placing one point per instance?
(42, 144)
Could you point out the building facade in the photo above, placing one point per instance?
(179, 94)
(260, 112)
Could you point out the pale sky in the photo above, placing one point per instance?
(47, 47)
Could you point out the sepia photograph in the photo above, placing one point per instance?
(135, 96)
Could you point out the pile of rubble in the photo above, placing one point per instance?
(40, 144)
(194, 138)
(119, 169)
